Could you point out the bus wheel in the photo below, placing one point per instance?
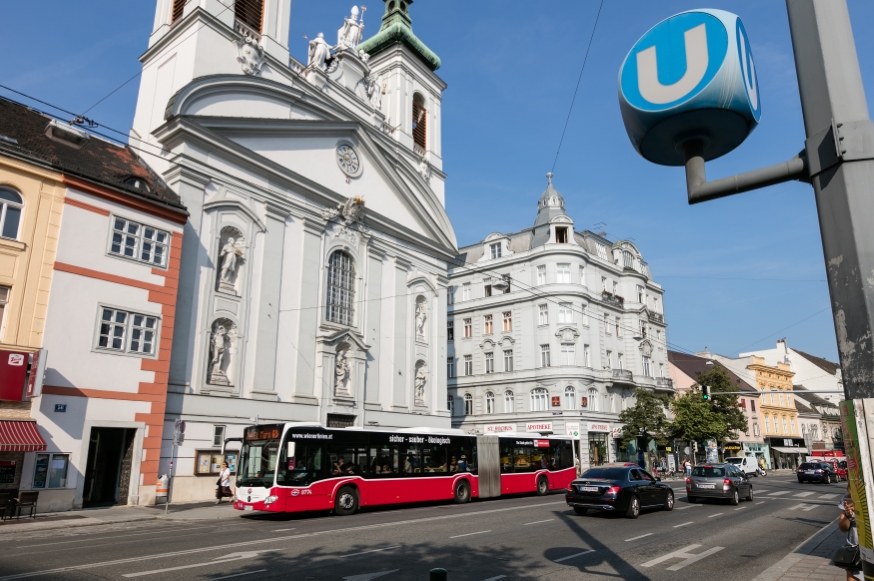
(346, 502)
(542, 486)
(462, 492)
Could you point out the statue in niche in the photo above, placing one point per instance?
(420, 381)
(374, 92)
(219, 354)
(421, 318)
(230, 259)
(349, 34)
(342, 373)
(319, 52)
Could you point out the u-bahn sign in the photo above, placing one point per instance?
(691, 76)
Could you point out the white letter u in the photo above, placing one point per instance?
(697, 60)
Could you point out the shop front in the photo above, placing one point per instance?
(760, 451)
(787, 453)
(598, 433)
(732, 450)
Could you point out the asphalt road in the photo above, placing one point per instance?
(507, 538)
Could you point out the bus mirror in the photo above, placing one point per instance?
(290, 450)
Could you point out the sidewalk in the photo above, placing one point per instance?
(119, 514)
(812, 559)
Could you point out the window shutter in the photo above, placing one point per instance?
(420, 122)
(178, 9)
(250, 13)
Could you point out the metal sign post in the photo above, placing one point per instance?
(178, 436)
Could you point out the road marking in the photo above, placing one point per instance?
(779, 493)
(116, 538)
(282, 530)
(761, 502)
(823, 496)
(227, 559)
(371, 551)
(802, 494)
(468, 534)
(237, 575)
(717, 514)
(684, 524)
(368, 576)
(685, 507)
(495, 578)
(640, 537)
(804, 507)
(572, 556)
(237, 545)
(537, 522)
(740, 508)
(688, 558)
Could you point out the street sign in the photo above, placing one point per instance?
(572, 429)
(690, 77)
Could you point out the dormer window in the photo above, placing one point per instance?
(495, 249)
(137, 184)
(561, 235)
(420, 124)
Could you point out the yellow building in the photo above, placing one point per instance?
(778, 412)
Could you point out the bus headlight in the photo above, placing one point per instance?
(270, 499)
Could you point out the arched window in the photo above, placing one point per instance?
(792, 424)
(538, 399)
(813, 431)
(785, 429)
(420, 122)
(468, 404)
(341, 288)
(490, 402)
(593, 399)
(11, 204)
(509, 402)
(570, 397)
(450, 405)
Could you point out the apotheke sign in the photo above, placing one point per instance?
(599, 427)
(538, 427)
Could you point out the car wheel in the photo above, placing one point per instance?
(346, 502)
(462, 492)
(580, 510)
(669, 501)
(734, 500)
(542, 486)
(633, 508)
(828, 479)
(750, 495)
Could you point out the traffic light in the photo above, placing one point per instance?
(705, 391)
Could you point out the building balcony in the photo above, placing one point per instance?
(664, 383)
(656, 317)
(246, 30)
(623, 376)
(612, 299)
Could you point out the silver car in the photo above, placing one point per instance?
(718, 481)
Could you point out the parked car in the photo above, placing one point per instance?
(718, 481)
(842, 469)
(745, 464)
(624, 488)
(835, 465)
(816, 472)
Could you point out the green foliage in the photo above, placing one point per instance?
(646, 418)
(721, 418)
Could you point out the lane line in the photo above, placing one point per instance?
(468, 534)
(640, 537)
(371, 551)
(537, 522)
(717, 514)
(740, 508)
(802, 494)
(779, 493)
(572, 556)
(281, 530)
(238, 575)
(762, 502)
(824, 496)
(684, 524)
(227, 559)
(495, 578)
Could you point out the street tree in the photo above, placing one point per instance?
(647, 418)
(720, 418)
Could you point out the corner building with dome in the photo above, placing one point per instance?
(551, 329)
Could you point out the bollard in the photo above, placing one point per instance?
(438, 575)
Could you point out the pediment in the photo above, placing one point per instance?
(345, 336)
(567, 334)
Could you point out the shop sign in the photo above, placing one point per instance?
(599, 427)
(499, 428)
(13, 375)
(556, 401)
(7, 471)
(585, 402)
(572, 429)
(617, 432)
(732, 447)
(538, 427)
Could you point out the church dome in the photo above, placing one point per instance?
(550, 205)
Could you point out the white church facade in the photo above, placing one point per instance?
(313, 282)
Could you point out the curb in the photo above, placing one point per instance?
(806, 547)
(47, 526)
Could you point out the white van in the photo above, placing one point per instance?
(746, 464)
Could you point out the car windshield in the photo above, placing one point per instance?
(606, 473)
(734, 460)
(258, 457)
(708, 472)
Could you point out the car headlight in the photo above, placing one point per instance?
(271, 499)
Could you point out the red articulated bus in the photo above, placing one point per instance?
(295, 468)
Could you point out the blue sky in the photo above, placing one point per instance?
(739, 273)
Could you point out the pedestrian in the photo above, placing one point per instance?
(687, 467)
(223, 484)
(847, 524)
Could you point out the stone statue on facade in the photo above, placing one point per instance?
(230, 257)
(319, 52)
(342, 373)
(421, 317)
(352, 209)
(219, 343)
(349, 34)
(420, 381)
(374, 93)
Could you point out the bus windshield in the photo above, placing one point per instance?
(258, 457)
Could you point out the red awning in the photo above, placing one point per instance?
(20, 437)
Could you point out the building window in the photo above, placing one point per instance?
(583, 274)
(618, 327)
(565, 313)
(487, 287)
(465, 291)
(541, 275)
(450, 295)
(4, 300)
(587, 358)
(508, 360)
(743, 404)
(487, 324)
(495, 249)
(420, 122)
(780, 396)
(604, 284)
(249, 12)
(585, 313)
(606, 324)
(659, 338)
(11, 204)
(641, 297)
(490, 362)
(468, 328)
(468, 404)
(178, 10)
(544, 314)
(509, 402)
(561, 234)
(138, 242)
(752, 405)
(218, 435)
(756, 431)
(128, 332)
(785, 427)
(661, 369)
(655, 304)
(468, 364)
(341, 288)
(647, 372)
(563, 273)
(450, 331)
(602, 251)
(450, 367)
(643, 329)
(615, 289)
(490, 402)
(450, 405)
(608, 360)
(767, 424)
(539, 401)
(508, 321)
(773, 397)
(567, 354)
(792, 424)
(570, 398)
(593, 399)
(544, 355)
(50, 471)
(619, 361)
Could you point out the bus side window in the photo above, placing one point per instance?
(384, 461)
(523, 462)
(434, 459)
(565, 456)
(506, 459)
(463, 452)
(411, 456)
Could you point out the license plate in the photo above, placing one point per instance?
(808, 471)
(248, 507)
(588, 488)
(706, 486)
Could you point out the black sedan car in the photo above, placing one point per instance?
(816, 472)
(625, 488)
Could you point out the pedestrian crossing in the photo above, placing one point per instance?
(804, 495)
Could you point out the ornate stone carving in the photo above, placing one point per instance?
(646, 348)
(319, 52)
(349, 35)
(424, 168)
(250, 55)
(373, 90)
(421, 318)
(221, 352)
(567, 334)
(420, 382)
(231, 258)
(342, 372)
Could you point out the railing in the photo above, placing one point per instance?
(246, 31)
(623, 375)
(612, 299)
(418, 150)
(656, 317)
(665, 382)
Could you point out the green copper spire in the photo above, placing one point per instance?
(397, 28)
